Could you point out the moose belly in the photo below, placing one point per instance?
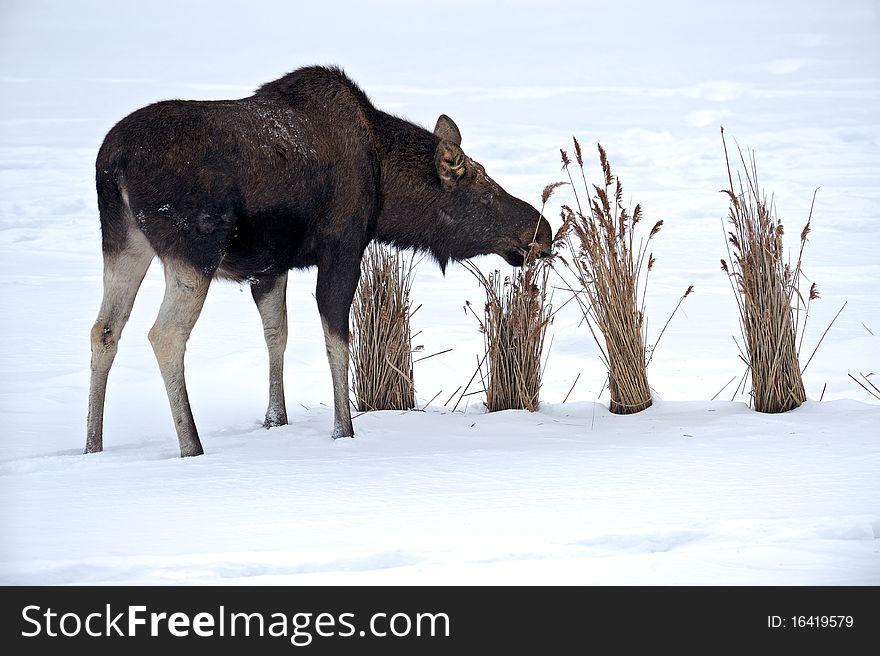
(267, 243)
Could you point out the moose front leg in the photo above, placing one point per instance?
(337, 280)
(337, 356)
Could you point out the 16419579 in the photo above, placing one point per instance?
(810, 622)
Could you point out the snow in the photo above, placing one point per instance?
(695, 490)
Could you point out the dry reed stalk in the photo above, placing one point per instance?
(767, 292)
(868, 386)
(381, 350)
(611, 272)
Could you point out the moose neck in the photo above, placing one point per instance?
(410, 187)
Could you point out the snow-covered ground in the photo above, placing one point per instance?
(691, 491)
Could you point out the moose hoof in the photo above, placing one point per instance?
(190, 451)
(273, 421)
(339, 432)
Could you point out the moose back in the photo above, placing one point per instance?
(305, 172)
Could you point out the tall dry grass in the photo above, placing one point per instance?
(772, 308)
(381, 349)
(611, 267)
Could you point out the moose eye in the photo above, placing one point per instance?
(486, 198)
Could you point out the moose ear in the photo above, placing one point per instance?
(450, 162)
(447, 129)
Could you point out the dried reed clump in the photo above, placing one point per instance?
(767, 292)
(514, 323)
(381, 353)
(611, 272)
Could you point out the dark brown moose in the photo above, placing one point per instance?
(303, 173)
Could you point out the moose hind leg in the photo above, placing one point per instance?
(185, 291)
(270, 295)
(124, 272)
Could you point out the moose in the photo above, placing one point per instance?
(305, 172)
